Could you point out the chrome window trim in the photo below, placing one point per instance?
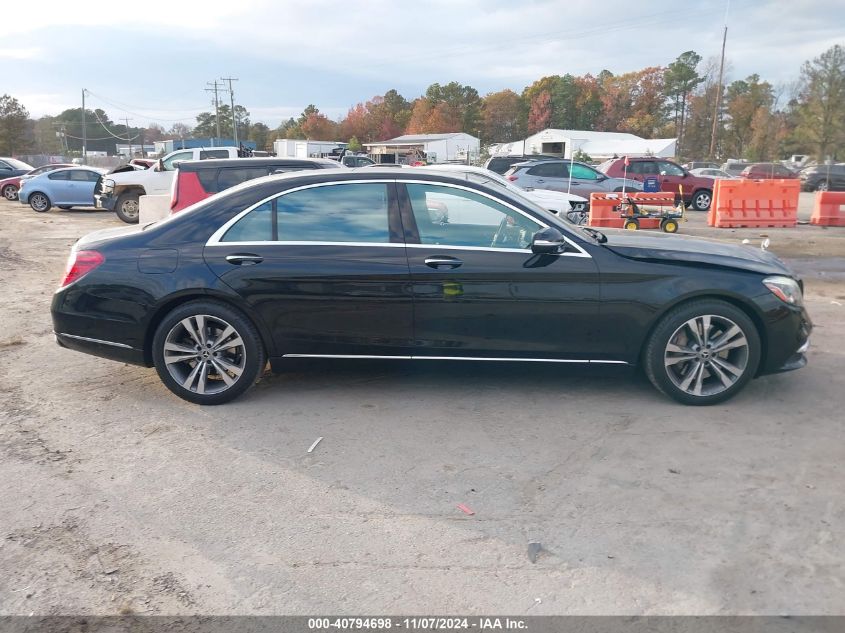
(94, 340)
(215, 239)
(498, 359)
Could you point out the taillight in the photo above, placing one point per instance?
(512, 177)
(174, 192)
(79, 264)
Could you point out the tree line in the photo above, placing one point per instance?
(757, 120)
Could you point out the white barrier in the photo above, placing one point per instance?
(153, 208)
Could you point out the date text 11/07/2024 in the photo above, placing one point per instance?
(417, 624)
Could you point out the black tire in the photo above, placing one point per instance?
(40, 202)
(669, 225)
(128, 207)
(631, 224)
(669, 379)
(701, 200)
(10, 192)
(249, 358)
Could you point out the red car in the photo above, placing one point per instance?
(767, 171)
(10, 186)
(697, 190)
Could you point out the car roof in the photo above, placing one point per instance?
(212, 163)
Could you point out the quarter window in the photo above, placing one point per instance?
(455, 217)
(255, 226)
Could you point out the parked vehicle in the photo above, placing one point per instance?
(697, 190)
(501, 164)
(10, 167)
(357, 264)
(557, 202)
(196, 180)
(692, 166)
(120, 192)
(734, 167)
(555, 175)
(9, 186)
(712, 172)
(823, 178)
(66, 187)
(767, 171)
(356, 160)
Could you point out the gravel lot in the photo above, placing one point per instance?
(118, 497)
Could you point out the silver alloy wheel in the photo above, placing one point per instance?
(39, 202)
(703, 201)
(204, 354)
(822, 186)
(706, 355)
(130, 208)
(10, 192)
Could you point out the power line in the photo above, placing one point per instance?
(114, 104)
(120, 138)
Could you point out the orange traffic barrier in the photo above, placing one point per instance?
(754, 203)
(828, 209)
(606, 208)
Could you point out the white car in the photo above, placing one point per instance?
(558, 202)
(712, 172)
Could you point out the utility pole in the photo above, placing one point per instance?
(216, 102)
(232, 101)
(717, 112)
(84, 132)
(128, 137)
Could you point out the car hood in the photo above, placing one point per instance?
(685, 249)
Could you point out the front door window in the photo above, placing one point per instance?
(456, 217)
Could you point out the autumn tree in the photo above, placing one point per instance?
(540, 112)
(318, 127)
(500, 115)
(821, 109)
(743, 99)
(180, 130)
(633, 102)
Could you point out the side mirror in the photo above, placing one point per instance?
(548, 242)
(159, 166)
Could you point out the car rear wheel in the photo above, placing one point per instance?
(207, 352)
(39, 202)
(702, 352)
(10, 192)
(701, 200)
(128, 208)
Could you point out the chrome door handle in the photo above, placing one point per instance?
(242, 259)
(437, 262)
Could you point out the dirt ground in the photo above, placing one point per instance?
(117, 497)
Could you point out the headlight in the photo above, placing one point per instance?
(108, 185)
(786, 289)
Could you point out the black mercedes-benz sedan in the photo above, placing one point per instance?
(409, 264)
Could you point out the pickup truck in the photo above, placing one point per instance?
(120, 192)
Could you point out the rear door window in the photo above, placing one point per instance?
(59, 175)
(231, 176)
(549, 170)
(213, 153)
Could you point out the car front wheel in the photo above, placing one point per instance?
(207, 352)
(702, 352)
(822, 186)
(701, 200)
(128, 208)
(10, 192)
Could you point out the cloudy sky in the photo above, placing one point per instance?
(150, 59)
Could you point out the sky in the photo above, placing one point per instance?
(151, 60)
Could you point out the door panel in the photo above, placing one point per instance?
(493, 297)
(324, 268)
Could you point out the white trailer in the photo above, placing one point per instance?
(292, 148)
